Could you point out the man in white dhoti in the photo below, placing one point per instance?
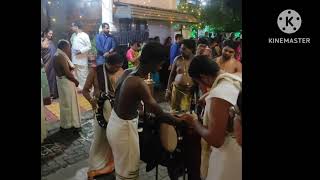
(80, 46)
(225, 161)
(67, 83)
(103, 78)
(122, 130)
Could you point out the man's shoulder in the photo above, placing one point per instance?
(133, 83)
(83, 34)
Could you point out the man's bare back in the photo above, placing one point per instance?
(230, 66)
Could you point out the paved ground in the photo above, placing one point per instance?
(64, 155)
(78, 171)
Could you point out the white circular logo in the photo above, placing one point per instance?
(289, 21)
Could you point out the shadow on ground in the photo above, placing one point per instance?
(56, 143)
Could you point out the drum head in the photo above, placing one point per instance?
(107, 110)
(168, 137)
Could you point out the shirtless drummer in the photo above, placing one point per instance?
(122, 129)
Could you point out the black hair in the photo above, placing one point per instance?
(153, 52)
(150, 40)
(157, 38)
(63, 44)
(104, 25)
(166, 42)
(114, 59)
(46, 30)
(203, 41)
(78, 23)
(177, 36)
(214, 40)
(203, 65)
(230, 43)
(191, 44)
(134, 42)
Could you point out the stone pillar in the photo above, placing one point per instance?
(107, 14)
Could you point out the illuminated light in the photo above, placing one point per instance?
(158, 14)
(53, 19)
(192, 10)
(80, 16)
(184, 26)
(171, 22)
(113, 6)
(49, 2)
(144, 2)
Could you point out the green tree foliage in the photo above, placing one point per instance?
(224, 15)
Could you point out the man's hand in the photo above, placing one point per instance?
(190, 119)
(76, 82)
(107, 54)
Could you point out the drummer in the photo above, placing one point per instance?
(100, 155)
(122, 132)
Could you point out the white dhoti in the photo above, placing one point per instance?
(43, 121)
(124, 141)
(100, 152)
(81, 73)
(226, 162)
(69, 104)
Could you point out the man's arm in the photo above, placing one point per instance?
(151, 103)
(86, 88)
(67, 71)
(218, 118)
(99, 44)
(173, 74)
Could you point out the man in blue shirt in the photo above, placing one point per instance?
(105, 44)
(175, 48)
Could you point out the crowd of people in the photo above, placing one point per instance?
(204, 73)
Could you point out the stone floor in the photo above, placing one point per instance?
(64, 154)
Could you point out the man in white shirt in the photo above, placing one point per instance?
(222, 160)
(80, 46)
